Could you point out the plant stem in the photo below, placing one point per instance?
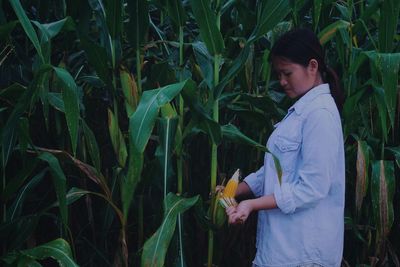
(181, 114)
(214, 156)
(180, 156)
(139, 72)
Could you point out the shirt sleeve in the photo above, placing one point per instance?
(319, 151)
(255, 181)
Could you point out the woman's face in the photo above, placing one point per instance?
(295, 79)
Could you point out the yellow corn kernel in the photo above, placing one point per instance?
(231, 186)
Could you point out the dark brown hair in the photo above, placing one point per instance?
(300, 46)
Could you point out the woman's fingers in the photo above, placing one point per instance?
(219, 188)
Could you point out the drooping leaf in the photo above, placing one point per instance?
(155, 248)
(57, 249)
(141, 123)
(382, 193)
(26, 24)
(362, 173)
(329, 31)
(270, 13)
(71, 104)
(229, 131)
(16, 207)
(74, 194)
(50, 30)
(207, 21)
(59, 181)
(19, 179)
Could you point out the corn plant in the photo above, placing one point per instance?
(119, 118)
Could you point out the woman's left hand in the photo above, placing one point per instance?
(241, 213)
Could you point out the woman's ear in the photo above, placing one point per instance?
(313, 66)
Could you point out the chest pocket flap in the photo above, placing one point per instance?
(285, 144)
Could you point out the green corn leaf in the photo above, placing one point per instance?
(388, 24)
(117, 139)
(138, 23)
(362, 165)
(9, 131)
(270, 13)
(230, 131)
(317, 5)
(236, 66)
(60, 183)
(28, 28)
(388, 65)
(176, 13)
(382, 193)
(167, 129)
(15, 209)
(57, 249)
(50, 30)
(55, 100)
(207, 21)
(19, 179)
(73, 195)
(329, 31)
(141, 123)
(92, 146)
(114, 20)
(379, 96)
(205, 61)
(97, 56)
(71, 104)
(132, 178)
(155, 248)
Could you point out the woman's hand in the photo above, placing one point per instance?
(239, 214)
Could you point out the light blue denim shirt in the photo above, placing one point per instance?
(308, 225)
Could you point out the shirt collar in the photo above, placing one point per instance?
(308, 97)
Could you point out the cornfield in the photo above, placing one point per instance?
(119, 118)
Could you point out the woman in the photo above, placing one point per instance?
(300, 221)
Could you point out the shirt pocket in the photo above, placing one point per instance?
(288, 151)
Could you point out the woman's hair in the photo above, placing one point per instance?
(300, 46)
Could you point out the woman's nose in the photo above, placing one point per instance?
(283, 82)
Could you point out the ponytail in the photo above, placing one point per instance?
(334, 84)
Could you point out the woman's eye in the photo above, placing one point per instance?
(287, 73)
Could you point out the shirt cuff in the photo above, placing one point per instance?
(284, 198)
(255, 184)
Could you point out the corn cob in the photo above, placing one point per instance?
(227, 198)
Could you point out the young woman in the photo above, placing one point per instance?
(300, 221)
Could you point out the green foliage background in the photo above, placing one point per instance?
(119, 117)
